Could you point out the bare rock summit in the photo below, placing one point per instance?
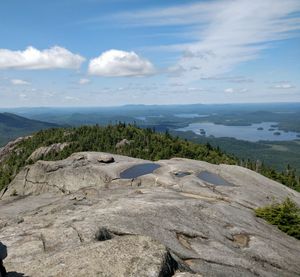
(77, 217)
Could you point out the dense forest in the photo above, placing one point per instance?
(142, 143)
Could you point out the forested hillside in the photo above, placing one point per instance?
(13, 126)
(140, 143)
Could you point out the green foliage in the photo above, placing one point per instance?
(145, 144)
(276, 154)
(286, 216)
(13, 126)
(256, 152)
(287, 177)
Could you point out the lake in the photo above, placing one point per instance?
(190, 115)
(254, 132)
(144, 118)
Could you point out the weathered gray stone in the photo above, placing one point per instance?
(123, 256)
(186, 274)
(106, 159)
(122, 143)
(51, 227)
(45, 150)
(9, 147)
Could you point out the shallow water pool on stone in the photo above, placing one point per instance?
(181, 174)
(138, 170)
(213, 179)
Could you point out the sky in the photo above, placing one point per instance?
(109, 53)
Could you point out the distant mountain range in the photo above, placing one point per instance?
(277, 154)
(13, 126)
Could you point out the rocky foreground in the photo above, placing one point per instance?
(76, 217)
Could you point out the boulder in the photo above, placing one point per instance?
(126, 256)
(45, 150)
(106, 159)
(122, 143)
(11, 146)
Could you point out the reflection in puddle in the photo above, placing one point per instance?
(181, 174)
(138, 170)
(213, 179)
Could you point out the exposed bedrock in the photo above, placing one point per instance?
(76, 217)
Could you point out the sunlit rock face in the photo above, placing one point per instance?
(77, 217)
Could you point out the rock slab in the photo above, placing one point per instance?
(77, 217)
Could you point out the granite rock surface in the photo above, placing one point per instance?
(76, 217)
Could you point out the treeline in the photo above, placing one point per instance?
(141, 143)
(287, 177)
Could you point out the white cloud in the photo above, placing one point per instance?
(229, 90)
(117, 63)
(283, 86)
(236, 90)
(176, 15)
(19, 82)
(231, 79)
(224, 33)
(23, 96)
(32, 58)
(71, 98)
(84, 81)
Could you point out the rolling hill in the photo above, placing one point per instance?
(13, 126)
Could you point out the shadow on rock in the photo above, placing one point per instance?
(16, 274)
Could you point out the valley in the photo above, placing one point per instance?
(244, 130)
(13, 126)
(150, 138)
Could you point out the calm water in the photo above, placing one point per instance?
(213, 179)
(138, 170)
(190, 115)
(144, 118)
(181, 174)
(249, 133)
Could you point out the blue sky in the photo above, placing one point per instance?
(106, 53)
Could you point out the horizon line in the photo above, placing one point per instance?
(126, 105)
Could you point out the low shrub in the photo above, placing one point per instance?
(285, 215)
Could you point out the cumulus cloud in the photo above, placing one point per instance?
(19, 82)
(32, 58)
(223, 34)
(117, 63)
(84, 81)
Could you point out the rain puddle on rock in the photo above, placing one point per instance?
(182, 174)
(138, 170)
(213, 179)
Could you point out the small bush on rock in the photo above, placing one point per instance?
(285, 215)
